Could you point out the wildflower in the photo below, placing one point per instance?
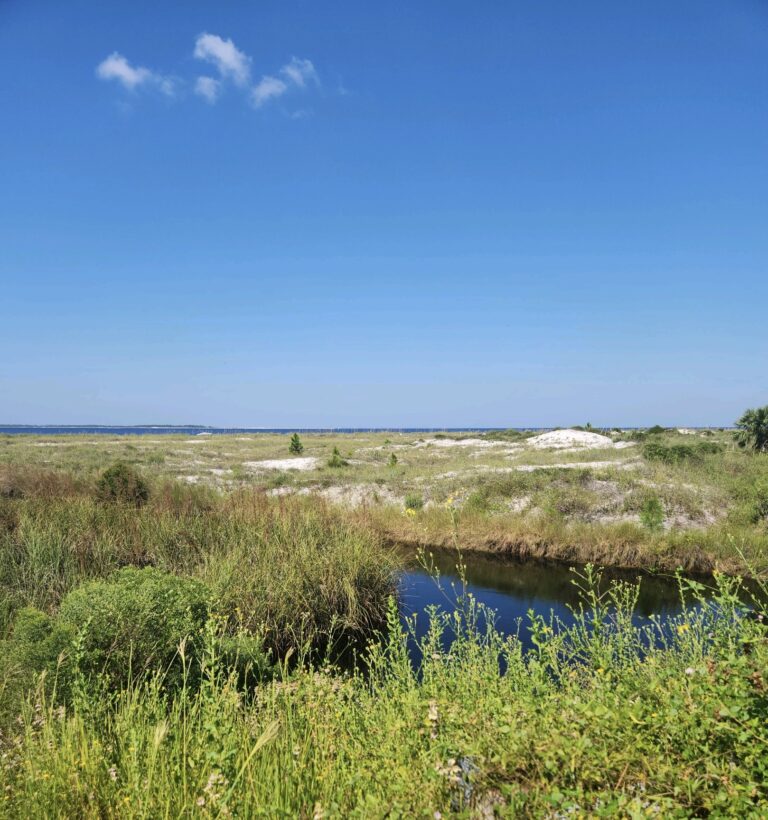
(201, 801)
(682, 629)
(410, 513)
(112, 773)
(690, 671)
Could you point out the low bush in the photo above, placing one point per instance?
(122, 484)
(652, 514)
(134, 622)
(413, 501)
(679, 453)
(336, 460)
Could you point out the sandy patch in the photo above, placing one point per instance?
(560, 439)
(576, 465)
(622, 445)
(358, 495)
(354, 495)
(305, 463)
(464, 442)
(518, 505)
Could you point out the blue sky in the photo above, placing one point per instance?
(433, 213)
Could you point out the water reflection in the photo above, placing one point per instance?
(513, 588)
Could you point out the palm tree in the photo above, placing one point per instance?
(752, 430)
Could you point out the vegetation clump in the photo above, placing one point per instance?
(336, 459)
(752, 430)
(295, 448)
(122, 484)
(652, 514)
(679, 453)
(413, 501)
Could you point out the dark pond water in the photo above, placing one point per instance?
(512, 588)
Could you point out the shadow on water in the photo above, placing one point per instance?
(513, 588)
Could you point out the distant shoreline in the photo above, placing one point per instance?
(195, 429)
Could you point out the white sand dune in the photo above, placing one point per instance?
(560, 439)
(303, 464)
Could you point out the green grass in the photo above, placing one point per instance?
(592, 722)
(298, 568)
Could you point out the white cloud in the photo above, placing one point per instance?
(300, 71)
(266, 89)
(228, 59)
(116, 67)
(232, 65)
(208, 89)
(297, 73)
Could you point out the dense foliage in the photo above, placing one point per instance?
(601, 719)
(121, 483)
(752, 430)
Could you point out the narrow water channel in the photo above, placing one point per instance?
(513, 588)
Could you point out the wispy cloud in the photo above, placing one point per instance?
(116, 67)
(300, 72)
(232, 65)
(268, 88)
(208, 88)
(295, 74)
(230, 62)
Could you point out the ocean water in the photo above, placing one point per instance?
(193, 430)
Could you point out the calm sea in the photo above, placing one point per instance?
(193, 430)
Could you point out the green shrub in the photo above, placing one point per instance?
(336, 460)
(133, 623)
(37, 644)
(477, 502)
(295, 448)
(679, 453)
(652, 514)
(392, 460)
(413, 501)
(752, 430)
(760, 503)
(121, 483)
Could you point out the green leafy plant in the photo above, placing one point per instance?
(752, 430)
(295, 448)
(122, 484)
(336, 459)
(652, 514)
(135, 621)
(392, 460)
(413, 501)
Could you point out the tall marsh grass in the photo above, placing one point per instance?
(297, 568)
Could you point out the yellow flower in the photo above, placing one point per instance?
(682, 629)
